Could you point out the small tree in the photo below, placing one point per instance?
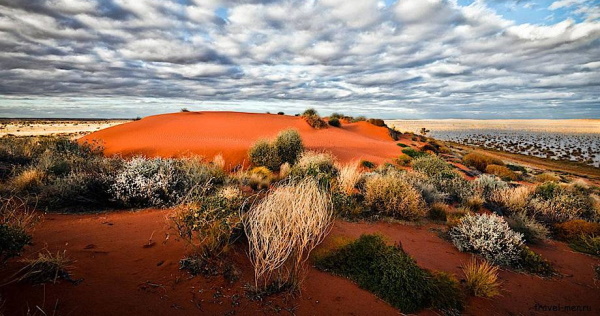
(424, 131)
(289, 146)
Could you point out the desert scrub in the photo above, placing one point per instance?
(413, 153)
(431, 165)
(263, 153)
(161, 182)
(489, 236)
(282, 230)
(259, 178)
(554, 203)
(512, 200)
(587, 244)
(393, 275)
(438, 211)
(391, 195)
(403, 160)
(488, 185)
(209, 226)
(289, 146)
(533, 231)
(368, 164)
(531, 262)
(47, 267)
(377, 122)
(573, 229)
(313, 119)
(334, 122)
(502, 172)
(481, 278)
(480, 161)
(318, 165)
(16, 221)
(547, 177)
(348, 178)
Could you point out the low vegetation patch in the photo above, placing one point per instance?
(533, 231)
(313, 119)
(393, 275)
(502, 172)
(480, 161)
(334, 122)
(16, 222)
(47, 267)
(413, 153)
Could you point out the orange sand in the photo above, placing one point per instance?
(232, 133)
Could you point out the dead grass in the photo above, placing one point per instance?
(349, 175)
(481, 278)
(283, 229)
(47, 267)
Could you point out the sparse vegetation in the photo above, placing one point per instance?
(334, 122)
(313, 119)
(533, 231)
(501, 171)
(286, 148)
(413, 153)
(47, 267)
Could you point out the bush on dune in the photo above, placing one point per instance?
(533, 231)
(413, 153)
(317, 165)
(286, 148)
(262, 153)
(289, 146)
(348, 177)
(283, 229)
(313, 119)
(334, 122)
(393, 275)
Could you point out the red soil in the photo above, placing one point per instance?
(232, 133)
(121, 274)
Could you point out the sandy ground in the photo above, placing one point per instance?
(591, 126)
(53, 127)
(121, 272)
(230, 134)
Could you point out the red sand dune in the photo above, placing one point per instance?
(232, 133)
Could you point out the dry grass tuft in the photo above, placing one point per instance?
(349, 175)
(480, 161)
(283, 229)
(547, 177)
(219, 162)
(47, 267)
(481, 278)
(28, 179)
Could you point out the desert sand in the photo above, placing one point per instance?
(230, 134)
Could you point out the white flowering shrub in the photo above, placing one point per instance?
(146, 182)
(489, 236)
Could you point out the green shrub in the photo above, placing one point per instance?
(262, 153)
(391, 195)
(377, 122)
(430, 165)
(480, 161)
(289, 146)
(413, 153)
(403, 160)
(336, 115)
(402, 145)
(393, 275)
(367, 164)
(310, 112)
(334, 122)
(531, 262)
(359, 119)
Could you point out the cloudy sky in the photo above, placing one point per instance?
(381, 58)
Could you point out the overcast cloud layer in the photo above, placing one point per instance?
(404, 59)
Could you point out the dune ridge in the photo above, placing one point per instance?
(231, 134)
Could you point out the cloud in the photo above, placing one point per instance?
(408, 58)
